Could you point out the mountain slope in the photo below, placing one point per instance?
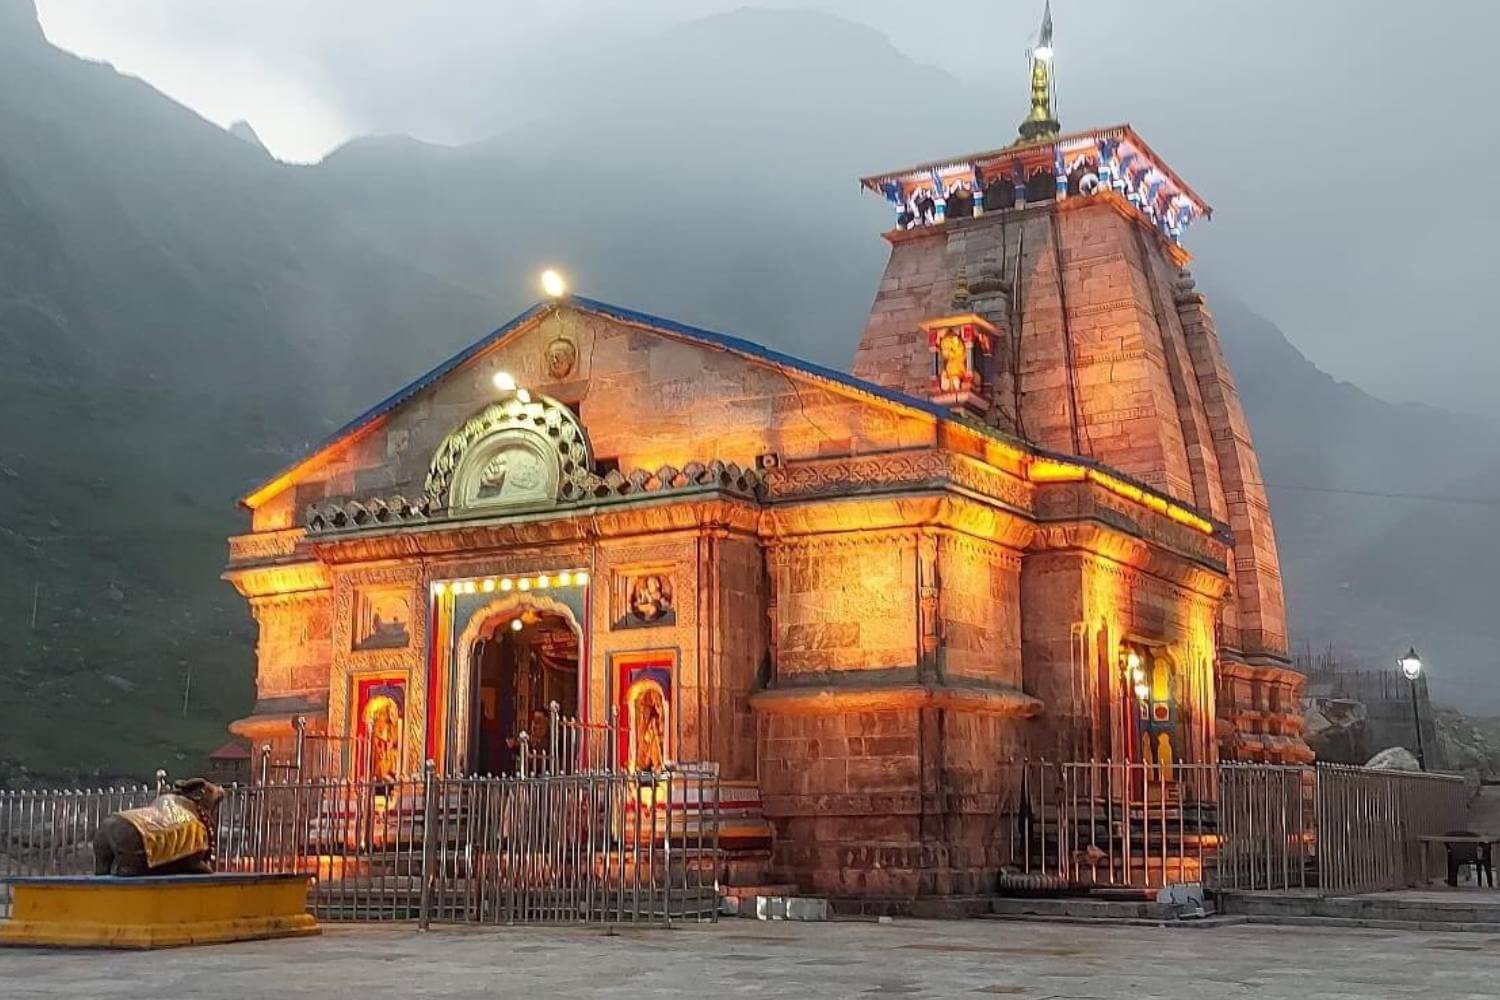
(1371, 562)
(177, 315)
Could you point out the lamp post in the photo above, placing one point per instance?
(1411, 668)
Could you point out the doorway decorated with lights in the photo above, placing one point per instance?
(523, 663)
(503, 650)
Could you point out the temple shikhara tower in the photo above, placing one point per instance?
(1030, 523)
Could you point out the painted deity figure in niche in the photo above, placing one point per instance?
(383, 729)
(952, 363)
(651, 597)
(649, 722)
(383, 622)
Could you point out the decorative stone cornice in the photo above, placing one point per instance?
(332, 518)
(703, 508)
(856, 696)
(279, 579)
(264, 546)
(885, 472)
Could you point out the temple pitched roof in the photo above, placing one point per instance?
(539, 311)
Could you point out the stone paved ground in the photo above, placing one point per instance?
(822, 961)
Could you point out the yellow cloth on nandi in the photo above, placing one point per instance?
(169, 828)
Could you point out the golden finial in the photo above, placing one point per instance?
(1041, 123)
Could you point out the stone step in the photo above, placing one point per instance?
(771, 889)
(1392, 907)
(1084, 908)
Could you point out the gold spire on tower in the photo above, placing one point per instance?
(1041, 123)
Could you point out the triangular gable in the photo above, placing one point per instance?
(371, 418)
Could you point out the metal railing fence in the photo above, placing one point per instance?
(1369, 824)
(551, 847)
(1329, 828)
(51, 831)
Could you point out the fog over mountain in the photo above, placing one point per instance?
(181, 314)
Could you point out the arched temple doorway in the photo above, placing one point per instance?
(517, 660)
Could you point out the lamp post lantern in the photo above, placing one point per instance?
(1411, 669)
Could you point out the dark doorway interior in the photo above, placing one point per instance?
(519, 671)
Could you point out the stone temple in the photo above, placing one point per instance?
(1028, 523)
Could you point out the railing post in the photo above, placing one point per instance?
(265, 762)
(161, 780)
(554, 734)
(429, 840)
(300, 723)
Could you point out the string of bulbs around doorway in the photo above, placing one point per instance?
(507, 584)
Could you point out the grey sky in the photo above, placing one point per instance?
(1347, 147)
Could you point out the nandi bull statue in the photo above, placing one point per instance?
(172, 836)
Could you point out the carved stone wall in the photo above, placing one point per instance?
(978, 587)
(845, 602)
(407, 662)
(294, 649)
(1079, 609)
(673, 555)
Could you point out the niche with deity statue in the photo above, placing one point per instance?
(957, 343)
(644, 686)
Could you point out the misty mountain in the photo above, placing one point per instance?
(180, 314)
(1377, 565)
(177, 314)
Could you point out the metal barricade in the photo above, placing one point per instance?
(51, 832)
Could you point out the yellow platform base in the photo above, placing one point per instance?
(166, 911)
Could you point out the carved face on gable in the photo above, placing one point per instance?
(561, 356)
(512, 454)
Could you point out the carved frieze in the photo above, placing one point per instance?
(264, 546)
(861, 473)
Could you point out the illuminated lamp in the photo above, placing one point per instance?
(523, 584)
(1142, 691)
(543, 582)
(515, 625)
(504, 381)
(564, 578)
(581, 577)
(1411, 669)
(1042, 52)
(488, 585)
(506, 584)
(553, 284)
(1133, 660)
(439, 587)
